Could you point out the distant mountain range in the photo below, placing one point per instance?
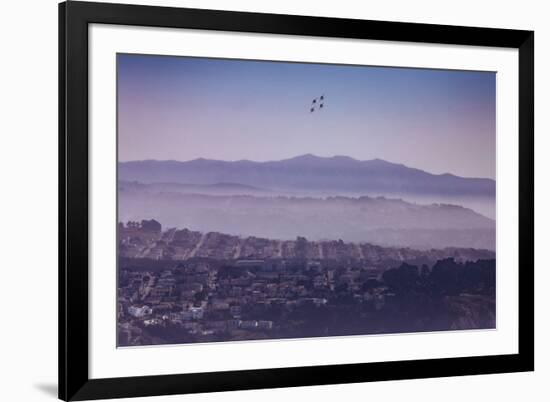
(308, 173)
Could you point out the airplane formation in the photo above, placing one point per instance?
(317, 104)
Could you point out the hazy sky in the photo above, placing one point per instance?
(184, 108)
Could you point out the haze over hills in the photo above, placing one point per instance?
(383, 221)
(308, 172)
(210, 189)
(316, 197)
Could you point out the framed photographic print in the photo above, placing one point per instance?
(257, 200)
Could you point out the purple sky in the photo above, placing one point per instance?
(184, 108)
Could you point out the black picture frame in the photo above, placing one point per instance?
(74, 381)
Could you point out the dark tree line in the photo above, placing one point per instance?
(407, 298)
(446, 278)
